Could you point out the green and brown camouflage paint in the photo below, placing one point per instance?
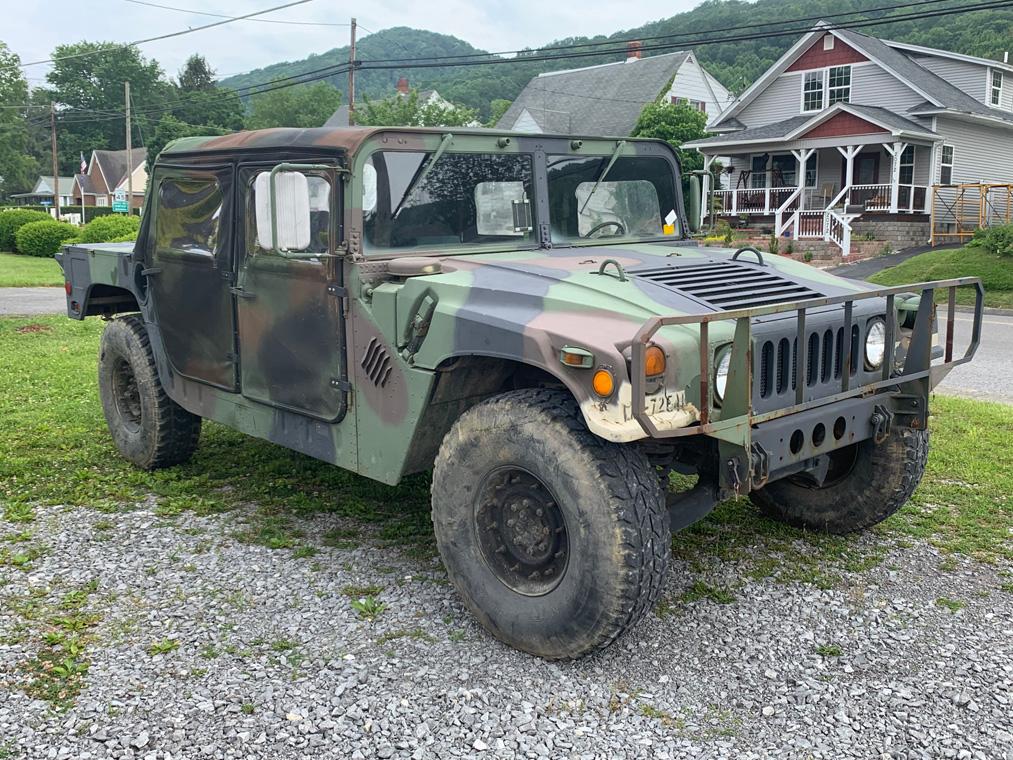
(315, 355)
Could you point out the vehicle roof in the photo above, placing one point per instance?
(346, 139)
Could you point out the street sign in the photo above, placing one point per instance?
(120, 202)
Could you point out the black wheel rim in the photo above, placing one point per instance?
(126, 395)
(521, 531)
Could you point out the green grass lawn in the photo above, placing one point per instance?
(28, 271)
(55, 449)
(996, 273)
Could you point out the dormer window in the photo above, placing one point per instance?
(995, 91)
(824, 87)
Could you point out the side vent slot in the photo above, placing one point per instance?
(376, 363)
(766, 369)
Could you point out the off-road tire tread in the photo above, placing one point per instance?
(897, 465)
(627, 474)
(177, 431)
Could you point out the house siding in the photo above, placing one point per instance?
(781, 100)
(968, 77)
(871, 86)
(981, 153)
(689, 83)
(817, 58)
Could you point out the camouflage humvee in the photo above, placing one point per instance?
(526, 316)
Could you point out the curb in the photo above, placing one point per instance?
(991, 311)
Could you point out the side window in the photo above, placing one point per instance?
(318, 191)
(189, 215)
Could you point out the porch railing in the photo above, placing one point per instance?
(766, 201)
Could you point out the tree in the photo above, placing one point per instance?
(170, 128)
(407, 111)
(303, 105)
(88, 77)
(201, 103)
(17, 168)
(497, 107)
(675, 123)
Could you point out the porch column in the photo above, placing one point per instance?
(849, 152)
(895, 152)
(802, 156)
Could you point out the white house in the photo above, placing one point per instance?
(606, 100)
(845, 126)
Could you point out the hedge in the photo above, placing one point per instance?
(11, 221)
(44, 237)
(106, 228)
(997, 240)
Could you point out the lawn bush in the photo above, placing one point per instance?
(107, 228)
(11, 220)
(997, 240)
(44, 237)
(124, 238)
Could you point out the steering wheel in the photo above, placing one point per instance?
(620, 229)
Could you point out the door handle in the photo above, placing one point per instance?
(240, 293)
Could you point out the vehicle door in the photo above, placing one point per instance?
(189, 271)
(290, 294)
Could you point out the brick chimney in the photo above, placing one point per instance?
(402, 85)
(633, 52)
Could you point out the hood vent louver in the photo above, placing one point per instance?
(728, 285)
(376, 363)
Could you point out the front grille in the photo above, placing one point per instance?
(728, 285)
(778, 360)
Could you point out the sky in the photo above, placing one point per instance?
(33, 29)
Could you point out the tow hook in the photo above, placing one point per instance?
(881, 420)
(759, 461)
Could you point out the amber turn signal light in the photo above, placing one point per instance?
(603, 383)
(654, 361)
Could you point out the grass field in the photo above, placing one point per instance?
(28, 271)
(996, 273)
(55, 449)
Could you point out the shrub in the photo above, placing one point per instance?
(997, 240)
(44, 237)
(11, 221)
(105, 228)
(124, 238)
(90, 212)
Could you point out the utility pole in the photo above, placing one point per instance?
(351, 79)
(56, 163)
(130, 154)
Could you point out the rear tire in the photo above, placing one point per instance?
(866, 484)
(557, 540)
(148, 427)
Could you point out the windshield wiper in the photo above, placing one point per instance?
(601, 178)
(444, 144)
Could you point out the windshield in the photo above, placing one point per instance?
(411, 201)
(634, 200)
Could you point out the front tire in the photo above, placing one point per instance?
(866, 483)
(557, 540)
(148, 427)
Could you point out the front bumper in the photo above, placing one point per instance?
(763, 435)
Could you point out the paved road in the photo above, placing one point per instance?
(989, 376)
(32, 301)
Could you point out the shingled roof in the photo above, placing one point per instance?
(113, 164)
(601, 100)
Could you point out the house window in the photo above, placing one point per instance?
(838, 85)
(907, 165)
(101, 200)
(946, 166)
(812, 91)
(758, 176)
(784, 171)
(700, 106)
(828, 42)
(996, 89)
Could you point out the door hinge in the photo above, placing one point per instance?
(342, 385)
(151, 271)
(240, 293)
(337, 290)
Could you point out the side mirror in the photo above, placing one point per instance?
(288, 228)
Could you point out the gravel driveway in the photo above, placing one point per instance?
(203, 646)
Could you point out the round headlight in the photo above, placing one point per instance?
(875, 344)
(724, 364)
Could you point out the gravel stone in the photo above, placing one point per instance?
(272, 662)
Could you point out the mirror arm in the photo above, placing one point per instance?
(274, 208)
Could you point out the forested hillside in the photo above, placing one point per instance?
(736, 64)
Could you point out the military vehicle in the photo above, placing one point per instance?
(526, 316)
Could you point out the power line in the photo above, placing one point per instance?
(238, 18)
(228, 20)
